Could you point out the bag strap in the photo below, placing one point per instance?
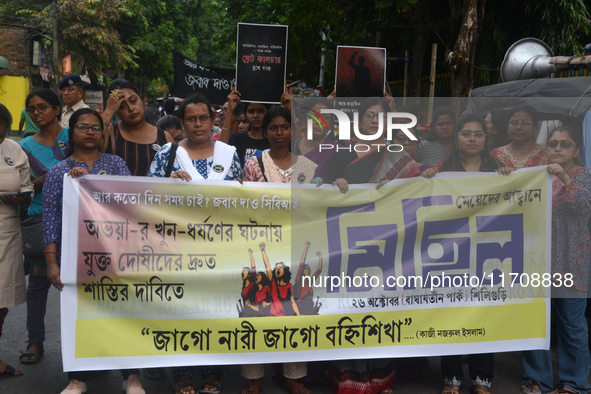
(171, 159)
(69, 161)
(262, 166)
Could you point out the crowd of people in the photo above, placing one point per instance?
(252, 142)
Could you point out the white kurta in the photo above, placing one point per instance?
(13, 178)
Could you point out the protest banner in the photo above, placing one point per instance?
(261, 56)
(360, 71)
(160, 272)
(191, 77)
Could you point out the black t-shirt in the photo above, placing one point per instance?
(247, 147)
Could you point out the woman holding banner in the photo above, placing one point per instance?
(197, 157)
(84, 157)
(469, 154)
(522, 151)
(131, 138)
(375, 163)
(281, 166)
(571, 211)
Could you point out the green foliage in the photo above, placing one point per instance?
(156, 88)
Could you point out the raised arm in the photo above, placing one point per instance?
(319, 254)
(252, 264)
(266, 261)
(298, 278)
(230, 125)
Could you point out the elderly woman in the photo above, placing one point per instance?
(571, 211)
(522, 151)
(15, 191)
(131, 138)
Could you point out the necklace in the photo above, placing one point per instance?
(518, 155)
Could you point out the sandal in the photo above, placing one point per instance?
(562, 389)
(217, 385)
(451, 390)
(10, 372)
(295, 387)
(28, 357)
(528, 387)
(480, 390)
(253, 386)
(181, 385)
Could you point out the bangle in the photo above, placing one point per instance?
(49, 252)
(225, 128)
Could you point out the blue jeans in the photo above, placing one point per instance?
(574, 362)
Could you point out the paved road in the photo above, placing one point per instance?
(47, 376)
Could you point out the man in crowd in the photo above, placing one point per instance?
(72, 90)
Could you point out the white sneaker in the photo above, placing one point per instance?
(75, 387)
(132, 385)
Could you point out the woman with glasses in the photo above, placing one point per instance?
(469, 154)
(44, 150)
(370, 161)
(84, 157)
(197, 157)
(571, 211)
(131, 138)
(410, 146)
(522, 151)
(436, 147)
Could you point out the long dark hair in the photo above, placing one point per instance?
(454, 161)
(264, 279)
(286, 271)
(72, 124)
(48, 96)
(439, 112)
(250, 276)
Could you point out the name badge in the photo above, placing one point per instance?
(156, 147)
(301, 177)
(218, 168)
(9, 160)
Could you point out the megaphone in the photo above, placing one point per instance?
(532, 58)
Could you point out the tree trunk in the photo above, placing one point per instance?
(464, 52)
(419, 16)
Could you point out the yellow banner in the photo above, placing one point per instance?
(159, 272)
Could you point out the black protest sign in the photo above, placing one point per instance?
(260, 62)
(191, 77)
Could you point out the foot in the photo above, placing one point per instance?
(75, 387)
(295, 387)
(33, 353)
(133, 385)
(185, 385)
(253, 386)
(531, 386)
(7, 370)
(387, 391)
(478, 389)
(451, 390)
(210, 385)
(563, 390)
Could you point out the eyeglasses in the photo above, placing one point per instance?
(564, 144)
(193, 119)
(83, 127)
(522, 122)
(370, 115)
(476, 134)
(41, 108)
(284, 127)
